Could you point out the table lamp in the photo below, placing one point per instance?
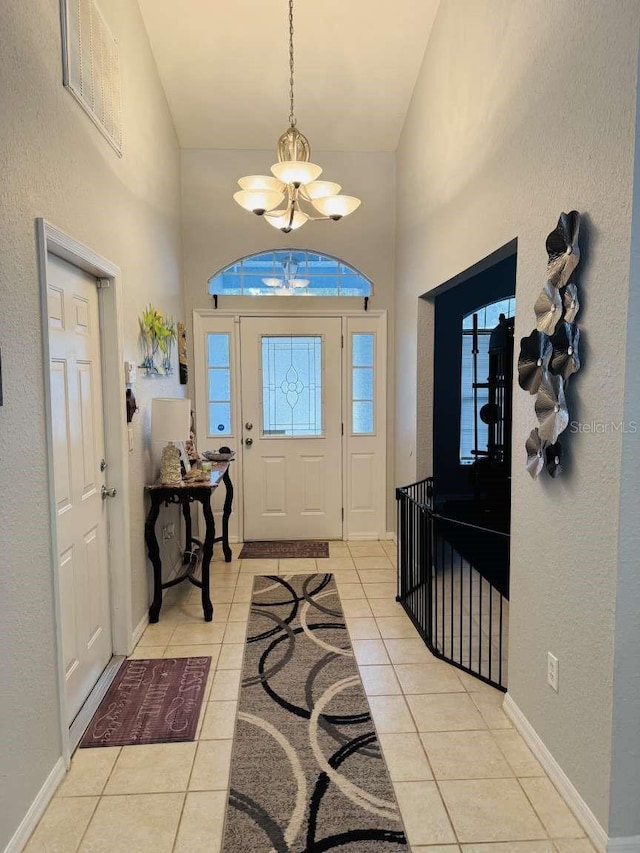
(170, 423)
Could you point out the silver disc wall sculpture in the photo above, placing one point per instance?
(550, 355)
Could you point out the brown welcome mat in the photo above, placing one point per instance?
(284, 549)
(307, 772)
(150, 701)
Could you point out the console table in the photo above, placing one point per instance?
(185, 494)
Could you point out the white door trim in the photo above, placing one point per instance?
(200, 315)
(110, 299)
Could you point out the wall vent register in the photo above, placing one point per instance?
(91, 67)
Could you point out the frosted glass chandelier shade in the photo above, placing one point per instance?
(337, 206)
(259, 201)
(321, 189)
(261, 182)
(282, 219)
(296, 172)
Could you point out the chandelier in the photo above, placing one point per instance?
(294, 195)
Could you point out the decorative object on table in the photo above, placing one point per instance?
(170, 423)
(183, 364)
(222, 455)
(284, 549)
(550, 355)
(156, 335)
(294, 195)
(140, 705)
(307, 770)
(190, 446)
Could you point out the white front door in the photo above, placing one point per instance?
(291, 427)
(78, 449)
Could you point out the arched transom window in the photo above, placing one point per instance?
(289, 272)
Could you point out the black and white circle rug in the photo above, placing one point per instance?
(307, 773)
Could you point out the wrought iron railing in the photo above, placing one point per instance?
(453, 582)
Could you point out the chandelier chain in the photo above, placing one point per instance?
(292, 118)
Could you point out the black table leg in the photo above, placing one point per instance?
(188, 540)
(207, 551)
(154, 555)
(226, 512)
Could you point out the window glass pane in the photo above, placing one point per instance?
(219, 384)
(219, 418)
(354, 285)
(362, 416)
(362, 383)
(362, 347)
(292, 385)
(218, 346)
(326, 276)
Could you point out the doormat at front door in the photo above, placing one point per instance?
(284, 549)
(150, 701)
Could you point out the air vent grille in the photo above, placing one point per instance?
(92, 66)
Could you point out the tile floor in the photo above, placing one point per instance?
(464, 778)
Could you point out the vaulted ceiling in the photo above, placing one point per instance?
(224, 68)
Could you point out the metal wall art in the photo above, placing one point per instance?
(549, 356)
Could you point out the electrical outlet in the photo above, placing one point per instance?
(168, 532)
(553, 672)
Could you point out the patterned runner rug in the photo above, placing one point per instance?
(307, 774)
(283, 549)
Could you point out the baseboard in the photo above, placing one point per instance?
(391, 534)
(81, 723)
(363, 537)
(569, 792)
(628, 844)
(138, 631)
(37, 808)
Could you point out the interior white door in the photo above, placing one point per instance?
(291, 427)
(78, 450)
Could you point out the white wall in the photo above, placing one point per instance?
(625, 777)
(216, 231)
(54, 163)
(523, 110)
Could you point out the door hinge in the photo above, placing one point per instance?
(103, 283)
(341, 429)
(343, 513)
(342, 341)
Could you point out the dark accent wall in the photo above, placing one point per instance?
(497, 282)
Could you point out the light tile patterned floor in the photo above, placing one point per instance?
(464, 778)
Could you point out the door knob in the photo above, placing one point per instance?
(248, 441)
(248, 425)
(108, 493)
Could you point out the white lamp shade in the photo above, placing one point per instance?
(296, 171)
(321, 189)
(170, 419)
(336, 206)
(257, 201)
(261, 182)
(280, 219)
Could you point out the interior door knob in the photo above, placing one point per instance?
(248, 425)
(248, 441)
(108, 493)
